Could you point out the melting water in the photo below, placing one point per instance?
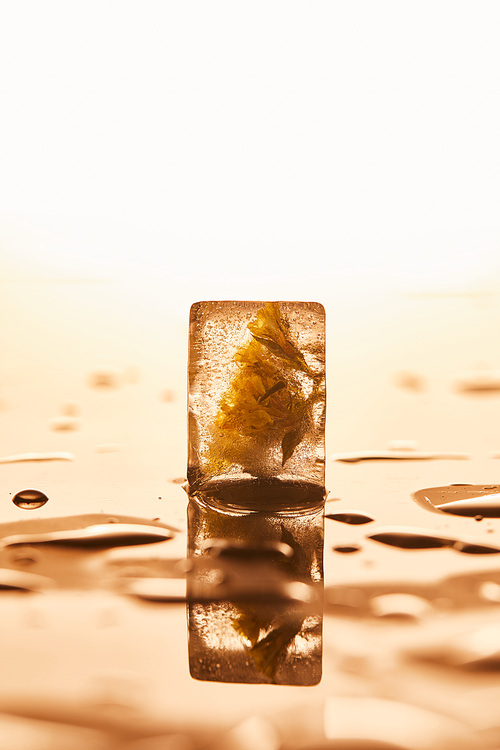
(346, 548)
(25, 457)
(396, 455)
(470, 548)
(64, 423)
(414, 539)
(487, 382)
(104, 377)
(462, 499)
(351, 517)
(99, 535)
(409, 539)
(30, 499)
(19, 581)
(24, 556)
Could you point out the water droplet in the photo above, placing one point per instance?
(29, 499)
(108, 448)
(480, 506)
(96, 536)
(178, 480)
(346, 549)
(351, 517)
(168, 395)
(64, 424)
(406, 606)
(25, 556)
(21, 581)
(478, 518)
(481, 383)
(461, 499)
(26, 457)
(409, 539)
(470, 548)
(104, 377)
(396, 455)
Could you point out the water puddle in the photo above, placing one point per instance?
(473, 500)
(38, 525)
(24, 457)
(396, 455)
(470, 548)
(17, 580)
(415, 539)
(98, 536)
(480, 383)
(24, 556)
(105, 377)
(30, 499)
(64, 423)
(346, 549)
(353, 517)
(410, 539)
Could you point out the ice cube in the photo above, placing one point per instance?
(257, 403)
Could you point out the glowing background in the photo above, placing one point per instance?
(241, 148)
(157, 153)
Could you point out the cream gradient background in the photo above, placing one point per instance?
(153, 154)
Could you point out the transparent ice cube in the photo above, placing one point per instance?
(257, 403)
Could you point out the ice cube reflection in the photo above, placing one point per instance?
(255, 588)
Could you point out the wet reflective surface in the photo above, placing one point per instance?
(176, 624)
